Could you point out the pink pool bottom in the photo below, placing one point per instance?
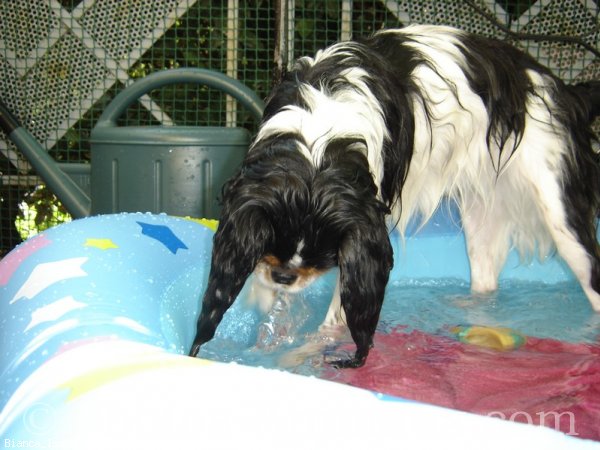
(545, 382)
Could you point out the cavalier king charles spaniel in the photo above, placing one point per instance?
(367, 135)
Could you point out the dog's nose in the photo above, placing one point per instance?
(283, 277)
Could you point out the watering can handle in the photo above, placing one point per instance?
(217, 80)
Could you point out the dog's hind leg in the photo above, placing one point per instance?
(578, 247)
(570, 217)
(487, 236)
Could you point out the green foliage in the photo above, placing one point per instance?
(39, 211)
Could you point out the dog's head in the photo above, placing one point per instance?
(292, 220)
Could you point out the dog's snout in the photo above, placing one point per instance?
(283, 277)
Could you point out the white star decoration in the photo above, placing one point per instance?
(46, 274)
(54, 311)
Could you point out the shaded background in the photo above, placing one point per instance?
(62, 62)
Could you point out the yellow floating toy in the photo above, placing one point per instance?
(497, 338)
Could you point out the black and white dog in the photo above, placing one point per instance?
(370, 134)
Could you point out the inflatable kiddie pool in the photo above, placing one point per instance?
(96, 317)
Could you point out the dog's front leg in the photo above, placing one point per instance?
(335, 314)
(365, 262)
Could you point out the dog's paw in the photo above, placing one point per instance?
(306, 353)
(350, 363)
(345, 362)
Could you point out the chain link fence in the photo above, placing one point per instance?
(63, 61)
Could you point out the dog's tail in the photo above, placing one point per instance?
(588, 93)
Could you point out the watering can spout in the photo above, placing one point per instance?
(75, 200)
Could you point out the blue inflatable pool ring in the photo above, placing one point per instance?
(96, 317)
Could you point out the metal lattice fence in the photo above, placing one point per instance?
(62, 61)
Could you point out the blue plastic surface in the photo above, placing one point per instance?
(96, 315)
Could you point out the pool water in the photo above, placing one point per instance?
(554, 372)
(558, 311)
(555, 311)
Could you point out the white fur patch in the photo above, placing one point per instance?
(296, 260)
(348, 113)
(506, 199)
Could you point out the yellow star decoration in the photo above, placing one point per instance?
(208, 223)
(102, 244)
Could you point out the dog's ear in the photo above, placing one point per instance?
(238, 244)
(365, 260)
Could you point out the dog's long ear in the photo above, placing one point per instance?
(365, 260)
(238, 244)
(349, 198)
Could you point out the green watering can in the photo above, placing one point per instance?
(173, 169)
